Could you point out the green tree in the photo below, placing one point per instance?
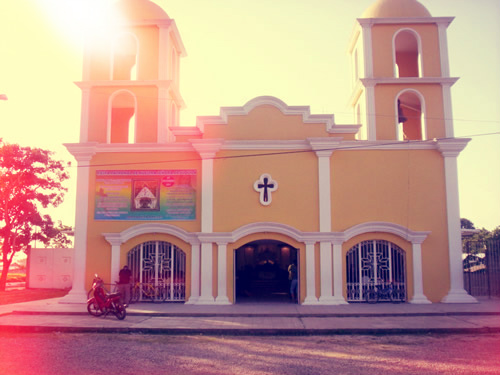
(466, 224)
(30, 180)
(495, 233)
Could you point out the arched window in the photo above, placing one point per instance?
(121, 127)
(375, 264)
(410, 116)
(407, 54)
(125, 57)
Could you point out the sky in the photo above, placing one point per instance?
(295, 50)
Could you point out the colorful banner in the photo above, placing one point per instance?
(145, 195)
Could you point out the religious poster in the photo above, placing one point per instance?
(145, 195)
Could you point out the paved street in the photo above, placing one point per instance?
(61, 353)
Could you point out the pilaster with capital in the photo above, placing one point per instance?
(83, 154)
(450, 149)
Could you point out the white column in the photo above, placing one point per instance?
(418, 283)
(207, 148)
(324, 149)
(84, 115)
(447, 110)
(83, 154)
(371, 119)
(311, 298)
(325, 205)
(206, 296)
(325, 253)
(195, 274)
(443, 49)
(367, 49)
(337, 274)
(451, 148)
(222, 298)
(115, 262)
(163, 132)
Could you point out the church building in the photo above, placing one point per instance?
(216, 213)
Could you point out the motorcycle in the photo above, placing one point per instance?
(103, 303)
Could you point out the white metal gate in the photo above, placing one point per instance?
(375, 264)
(161, 264)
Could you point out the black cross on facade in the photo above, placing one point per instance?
(265, 186)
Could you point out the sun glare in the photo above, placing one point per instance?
(74, 20)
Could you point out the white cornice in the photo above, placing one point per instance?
(387, 145)
(82, 151)
(192, 131)
(211, 146)
(129, 147)
(370, 82)
(324, 146)
(124, 83)
(405, 20)
(207, 148)
(452, 147)
(266, 145)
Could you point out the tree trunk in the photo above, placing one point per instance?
(6, 262)
(3, 278)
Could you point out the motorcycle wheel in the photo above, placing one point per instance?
(93, 308)
(120, 311)
(371, 296)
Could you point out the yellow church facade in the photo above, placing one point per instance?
(215, 213)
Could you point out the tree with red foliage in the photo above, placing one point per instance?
(30, 180)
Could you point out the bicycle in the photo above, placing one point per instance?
(373, 295)
(148, 291)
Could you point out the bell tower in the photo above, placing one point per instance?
(130, 86)
(401, 81)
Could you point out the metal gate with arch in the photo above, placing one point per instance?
(161, 264)
(375, 263)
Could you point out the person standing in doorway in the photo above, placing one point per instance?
(124, 284)
(292, 276)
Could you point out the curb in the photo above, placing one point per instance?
(246, 332)
(264, 315)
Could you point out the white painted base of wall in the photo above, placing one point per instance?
(222, 301)
(205, 301)
(420, 300)
(75, 297)
(311, 301)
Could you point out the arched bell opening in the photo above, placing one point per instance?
(125, 57)
(410, 117)
(407, 56)
(262, 272)
(122, 111)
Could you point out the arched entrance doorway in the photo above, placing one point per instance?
(375, 264)
(261, 271)
(161, 264)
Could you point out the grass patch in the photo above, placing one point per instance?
(25, 295)
(16, 277)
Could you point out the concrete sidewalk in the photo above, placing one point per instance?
(257, 319)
